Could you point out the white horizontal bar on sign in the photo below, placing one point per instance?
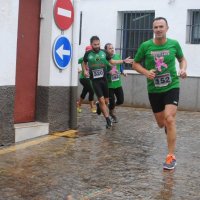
(64, 12)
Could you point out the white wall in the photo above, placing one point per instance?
(8, 41)
(48, 73)
(100, 18)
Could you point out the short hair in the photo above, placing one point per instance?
(94, 38)
(106, 45)
(160, 18)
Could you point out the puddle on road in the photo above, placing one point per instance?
(81, 132)
(86, 131)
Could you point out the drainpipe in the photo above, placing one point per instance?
(74, 67)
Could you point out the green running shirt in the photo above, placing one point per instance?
(97, 63)
(161, 58)
(114, 81)
(80, 60)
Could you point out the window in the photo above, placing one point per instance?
(193, 27)
(135, 27)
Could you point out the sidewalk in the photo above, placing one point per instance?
(122, 163)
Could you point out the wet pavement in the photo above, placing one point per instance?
(122, 163)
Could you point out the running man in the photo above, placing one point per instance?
(159, 56)
(114, 82)
(97, 60)
(87, 88)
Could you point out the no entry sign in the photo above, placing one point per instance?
(63, 14)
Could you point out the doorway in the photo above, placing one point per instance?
(27, 60)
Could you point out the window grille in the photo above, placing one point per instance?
(135, 27)
(193, 27)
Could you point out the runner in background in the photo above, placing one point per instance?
(97, 60)
(87, 88)
(116, 94)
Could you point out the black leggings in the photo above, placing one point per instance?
(118, 92)
(87, 88)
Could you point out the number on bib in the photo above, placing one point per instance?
(98, 73)
(115, 77)
(162, 80)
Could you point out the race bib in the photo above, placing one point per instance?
(162, 80)
(115, 77)
(98, 73)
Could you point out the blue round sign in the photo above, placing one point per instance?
(62, 52)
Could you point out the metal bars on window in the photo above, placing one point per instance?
(136, 27)
(193, 27)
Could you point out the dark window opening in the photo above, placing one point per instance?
(136, 27)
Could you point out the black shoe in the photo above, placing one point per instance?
(98, 108)
(109, 122)
(114, 119)
(113, 116)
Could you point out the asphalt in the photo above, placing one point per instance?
(95, 163)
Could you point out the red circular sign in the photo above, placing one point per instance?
(63, 14)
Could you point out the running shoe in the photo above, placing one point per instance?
(113, 116)
(93, 110)
(109, 122)
(170, 162)
(114, 119)
(98, 108)
(79, 110)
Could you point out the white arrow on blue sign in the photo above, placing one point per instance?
(62, 52)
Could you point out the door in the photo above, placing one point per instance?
(27, 60)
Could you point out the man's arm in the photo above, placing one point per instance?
(85, 69)
(183, 66)
(115, 62)
(85, 64)
(150, 74)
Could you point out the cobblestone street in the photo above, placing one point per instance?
(122, 163)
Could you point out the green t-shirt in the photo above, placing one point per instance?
(97, 63)
(161, 58)
(81, 76)
(114, 80)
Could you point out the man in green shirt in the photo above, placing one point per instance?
(159, 56)
(114, 82)
(97, 61)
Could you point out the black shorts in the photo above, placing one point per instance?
(100, 87)
(159, 100)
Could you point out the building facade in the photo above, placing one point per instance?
(127, 23)
(36, 97)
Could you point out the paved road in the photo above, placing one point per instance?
(124, 163)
